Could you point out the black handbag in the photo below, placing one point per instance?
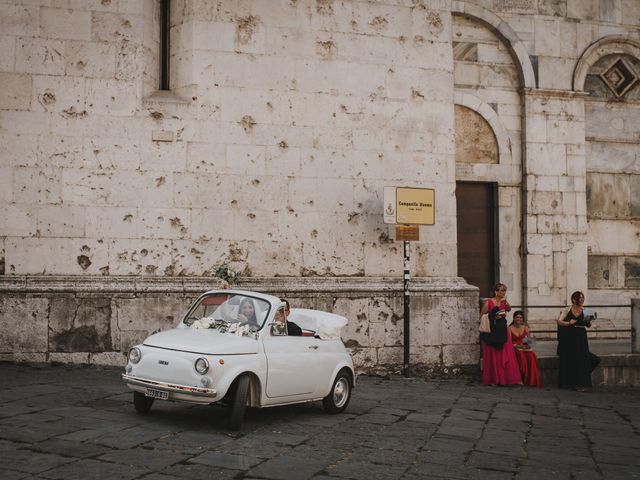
(498, 334)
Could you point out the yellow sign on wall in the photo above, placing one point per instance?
(415, 206)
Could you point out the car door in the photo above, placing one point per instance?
(292, 365)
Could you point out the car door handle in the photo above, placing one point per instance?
(313, 347)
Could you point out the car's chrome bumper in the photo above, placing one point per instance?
(176, 392)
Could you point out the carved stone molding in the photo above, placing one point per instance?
(193, 285)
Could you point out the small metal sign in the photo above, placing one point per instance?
(408, 233)
(415, 205)
(389, 199)
(409, 205)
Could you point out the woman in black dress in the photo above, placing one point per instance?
(576, 362)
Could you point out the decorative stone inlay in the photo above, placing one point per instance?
(465, 51)
(619, 77)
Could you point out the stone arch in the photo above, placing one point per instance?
(614, 44)
(505, 32)
(491, 117)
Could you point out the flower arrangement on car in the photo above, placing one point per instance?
(223, 326)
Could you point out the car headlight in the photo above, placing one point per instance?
(202, 366)
(135, 355)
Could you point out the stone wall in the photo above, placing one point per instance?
(64, 319)
(613, 174)
(284, 122)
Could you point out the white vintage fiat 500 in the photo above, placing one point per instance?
(246, 349)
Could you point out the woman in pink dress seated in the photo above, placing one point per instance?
(527, 358)
(499, 364)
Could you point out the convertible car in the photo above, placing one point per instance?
(236, 347)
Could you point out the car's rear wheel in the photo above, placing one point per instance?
(142, 402)
(340, 394)
(239, 403)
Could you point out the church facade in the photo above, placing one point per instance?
(149, 145)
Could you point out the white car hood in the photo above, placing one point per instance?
(205, 341)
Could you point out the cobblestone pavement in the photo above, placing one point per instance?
(59, 422)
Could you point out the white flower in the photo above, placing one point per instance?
(204, 322)
(223, 326)
(244, 331)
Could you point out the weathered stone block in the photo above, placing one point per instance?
(205, 157)
(602, 271)
(120, 222)
(108, 358)
(576, 266)
(113, 154)
(356, 332)
(113, 97)
(278, 257)
(547, 203)
(7, 53)
(40, 56)
(583, 9)
(138, 257)
(80, 324)
(120, 188)
(163, 156)
(114, 27)
(65, 23)
(535, 270)
(608, 157)
(157, 223)
(19, 20)
(77, 358)
(634, 190)
(460, 354)
(363, 358)
(19, 219)
(16, 91)
(547, 183)
(246, 158)
(23, 324)
(377, 335)
(384, 258)
(546, 159)
(559, 269)
(536, 128)
(60, 152)
(90, 59)
(148, 314)
(632, 272)
(37, 186)
(6, 185)
(33, 256)
(61, 221)
(606, 120)
(425, 354)
(608, 195)
(390, 355)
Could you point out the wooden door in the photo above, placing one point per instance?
(477, 240)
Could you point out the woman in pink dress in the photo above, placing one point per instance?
(527, 358)
(499, 363)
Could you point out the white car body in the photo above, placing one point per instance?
(281, 369)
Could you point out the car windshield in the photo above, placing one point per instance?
(232, 313)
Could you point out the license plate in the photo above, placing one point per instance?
(157, 394)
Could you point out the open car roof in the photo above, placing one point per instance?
(326, 325)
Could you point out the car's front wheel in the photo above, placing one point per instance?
(239, 403)
(142, 402)
(340, 394)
